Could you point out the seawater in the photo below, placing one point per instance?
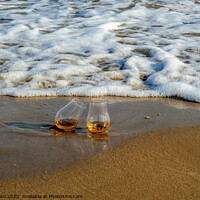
(128, 48)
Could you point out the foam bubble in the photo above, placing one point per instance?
(95, 48)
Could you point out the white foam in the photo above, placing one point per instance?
(88, 48)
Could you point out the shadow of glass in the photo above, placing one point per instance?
(83, 136)
(29, 125)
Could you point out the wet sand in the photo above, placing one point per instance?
(153, 158)
(154, 165)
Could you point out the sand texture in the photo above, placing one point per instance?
(155, 165)
(151, 152)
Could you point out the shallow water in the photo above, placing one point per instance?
(94, 48)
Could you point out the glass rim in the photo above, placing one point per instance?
(98, 100)
(79, 103)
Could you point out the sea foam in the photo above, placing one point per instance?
(96, 48)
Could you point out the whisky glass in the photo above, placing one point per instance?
(67, 117)
(98, 120)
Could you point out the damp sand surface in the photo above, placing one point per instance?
(154, 165)
(151, 150)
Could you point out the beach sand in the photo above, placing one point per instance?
(154, 158)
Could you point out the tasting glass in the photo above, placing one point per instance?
(67, 117)
(98, 120)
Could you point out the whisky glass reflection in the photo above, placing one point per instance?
(67, 117)
(98, 120)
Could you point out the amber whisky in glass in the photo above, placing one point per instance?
(67, 117)
(98, 120)
(66, 124)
